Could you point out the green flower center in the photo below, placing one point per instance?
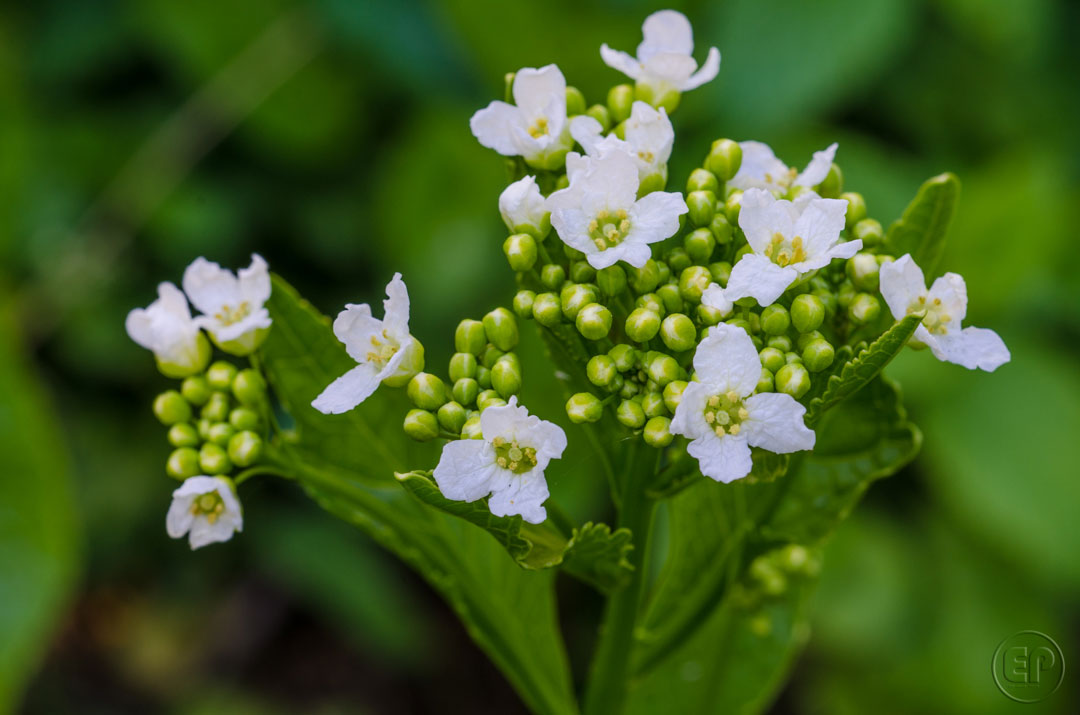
(783, 252)
(511, 455)
(209, 505)
(725, 413)
(936, 320)
(609, 228)
(228, 315)
(382, 349)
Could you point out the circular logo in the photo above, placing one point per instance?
(1028, 667)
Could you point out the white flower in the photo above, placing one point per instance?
(723, 418)
(535, 126)
(208, 508)
(524, 209)
(600, 215)
(384, 349)
(762, 170)
(167, 328)
(508, 462)
(904, 289)
(232, 305)
(649, 138)
(664, 65)
(788, 239)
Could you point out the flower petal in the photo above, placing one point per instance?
(776, 423)
(355, 327)
(759, 278)
(727, 360)
(901, 283)
(493, 126)
(655, 216)
(716, 298)
(621, 61)
(762, 216)
(254, 281)
(706, 73)
(179, 518)
(209, 286)
(951, 290)
(465, 470)
(972, 348)
(396, 309)
(348, 391)
(665, 31)
(524, 496)
(587, 132)
(541, 93)
(668, 70)
(689, 418)
(648, 132)
(724, 459)
(818, 168)
(758, 162)
(820, 224)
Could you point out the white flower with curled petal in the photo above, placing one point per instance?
(233, 306)
(761, 169)
(664, 66)
(648, 134)
(205, 508)
(788, 239)
(600, 215)
(904, 289)
(166, 328)
(535, 126)
(508, 462)
(723, 418)
(384, 350)
(524, 209)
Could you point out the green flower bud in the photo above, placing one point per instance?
(630, 414)
(818, 355)
(490, 356)
(765, 382)
(699, 245)
(663, 370)
(702, 205)
(644, 279)
(772, 580)
(594, 321)
(642, 325)
(805, 339)
(832, 184)
(182, 463)
(693, 281)
(196, 390)
(601, 370)
(807, 312)
(792, 357)
(421, 425)
(245, 448)
(828, 299)
(657, 97)
(552, 276)
(601, 114)
(184, 434)
(869, 231)
(724, 159)
(575, 104)
(483, 377)
(678, 332)
(670, 296)
(470, 337)
(217, 408)
(707, 316)
(721, 230)
(865, 308)
(220, 375)
(462, 365)
(732, 206)
(619, 101)
(664, 272)
(652, 403)
(582, 272)
(249, 387)
(862, 269)
(575, 296)
(624, 356)
(213, 459)
(780, 342)
(452, 417)
(471, 428)
(793, 379)
(202, 426)
(771, 359)
(489, 398)
(221, 433)
(629, 389)
(678, 260)
(720, 272)
(741, 323)
(653, 302)
(506, 377)
(244, 418)
(426, 391)
(547, 310)
(171, 407)
(702, 180)
(520, 250)
(584, 407)
(883, 258)
(775, 319)
(856, 208)
(465, 391)
(501, 329)
(845, 293)
(611, 280)
(653, 182)
(523, 303)
(657, 432)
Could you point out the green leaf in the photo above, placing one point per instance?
(864, 367)
(598, 555)
(346, 463)
(921, 229)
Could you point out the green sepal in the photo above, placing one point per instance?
(920, 231)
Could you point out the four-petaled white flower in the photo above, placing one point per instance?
(508, 462)
(166, 328)
(207, 509)
(232, 306)
(723, 417)
(649, 138)
(760, 169)
(788, 239)
(384, 349)
(524, 209)
(600, 215)
(664, 65)
(904, 289)
(535, 126)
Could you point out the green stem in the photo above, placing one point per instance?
(606, 691)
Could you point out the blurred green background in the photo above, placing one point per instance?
(332, 137)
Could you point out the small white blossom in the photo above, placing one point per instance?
(508, 462)
(524, 209)
(788, 239)
(166, 328)
(383, 349)
(904, 289)
(232, 306)
(207, 509)
(535, 126)
(649, 139)
(722, 416)
(761, 169)
(664, 62)
(600, 215)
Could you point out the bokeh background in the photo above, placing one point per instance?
(331, 136)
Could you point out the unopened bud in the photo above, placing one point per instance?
(471, 428)
(465, 391)
(620, 99)
(780, 342)
(653, 302)
(452, 417)
(699, 245)
(657, 432)
(772, 359)
(702, 205)
(630, 414)
(765, 382)
(501, 329)
(652, 402)
(805, 339)
(506, 377)
(220, 375)
(720, 272)
(244, 418)
(864, 308)
(601, 114)
(421, 425)
(217, 408)
(833, 183)
(678, 332)
(693, 281)
(828, 299)
(520, 251)
(807, 312)
(678, 260)
(582, 272)
(182, 463)
(845, 293)
(642, 325)
(462, 365)
(575, 101)
(594, 321)
(470, 337)
(184, 434)
(856, 208)
(170, 407)
(601, 370)
(245, 448)
(489, 398)
(611, 280)
(663, 370)
(775, 319)
(708, 316)
(724, 159)
(793, 379)
(552, 276)
(625, 357)
(575, 296)
(732, 206)
(213, 459)
(584, 407)
(202, 426)
(523, 303)
(249, 387)
(702, 180)
(862, 269)
(196, 389)
(221, 433)
(644, 279)
(672, 299)
(426, 391)
(869, 231)
(818, 355)
(547, 310)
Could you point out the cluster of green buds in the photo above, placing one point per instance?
(771, 576)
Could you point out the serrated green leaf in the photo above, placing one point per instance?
(864, 367)
(920, 231)
(598, 555)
